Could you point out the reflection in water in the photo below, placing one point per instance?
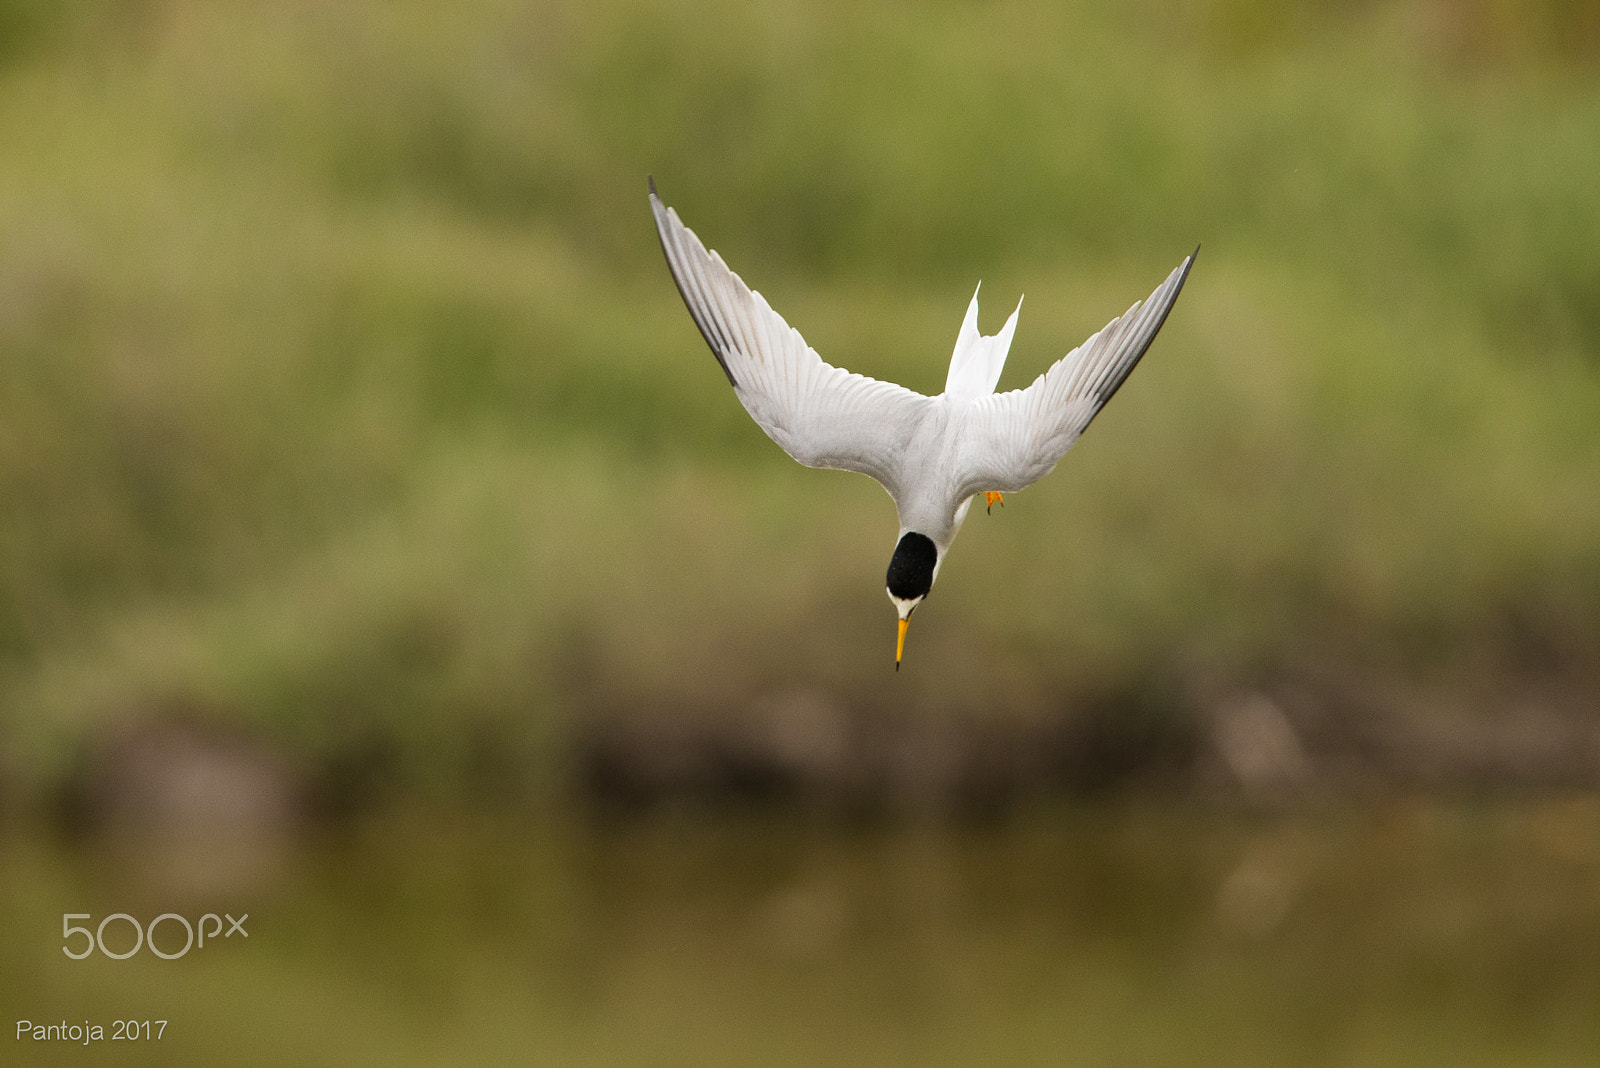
(1409, 932)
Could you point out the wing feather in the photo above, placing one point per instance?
(821, 415)
(1013, 439)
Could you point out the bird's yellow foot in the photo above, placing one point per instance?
(992, 499)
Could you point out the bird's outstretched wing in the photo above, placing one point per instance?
(1014, 439)
(819, 414)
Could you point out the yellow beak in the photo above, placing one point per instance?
(900, 645)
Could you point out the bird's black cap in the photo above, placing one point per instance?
(911, 569)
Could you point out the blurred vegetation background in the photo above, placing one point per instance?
(345, 399)
(356, 452)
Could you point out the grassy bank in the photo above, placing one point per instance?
(343, 394)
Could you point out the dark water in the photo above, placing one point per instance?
(1402, 932)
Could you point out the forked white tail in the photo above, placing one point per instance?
(977, 362)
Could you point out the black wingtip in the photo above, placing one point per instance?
(1188, 265)
(662, 213)
(1109, 389)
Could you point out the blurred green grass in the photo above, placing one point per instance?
(343, 393)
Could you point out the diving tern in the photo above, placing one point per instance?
(932, 454)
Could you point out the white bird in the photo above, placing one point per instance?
(932, 454)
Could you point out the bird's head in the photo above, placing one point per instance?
(911, 573)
